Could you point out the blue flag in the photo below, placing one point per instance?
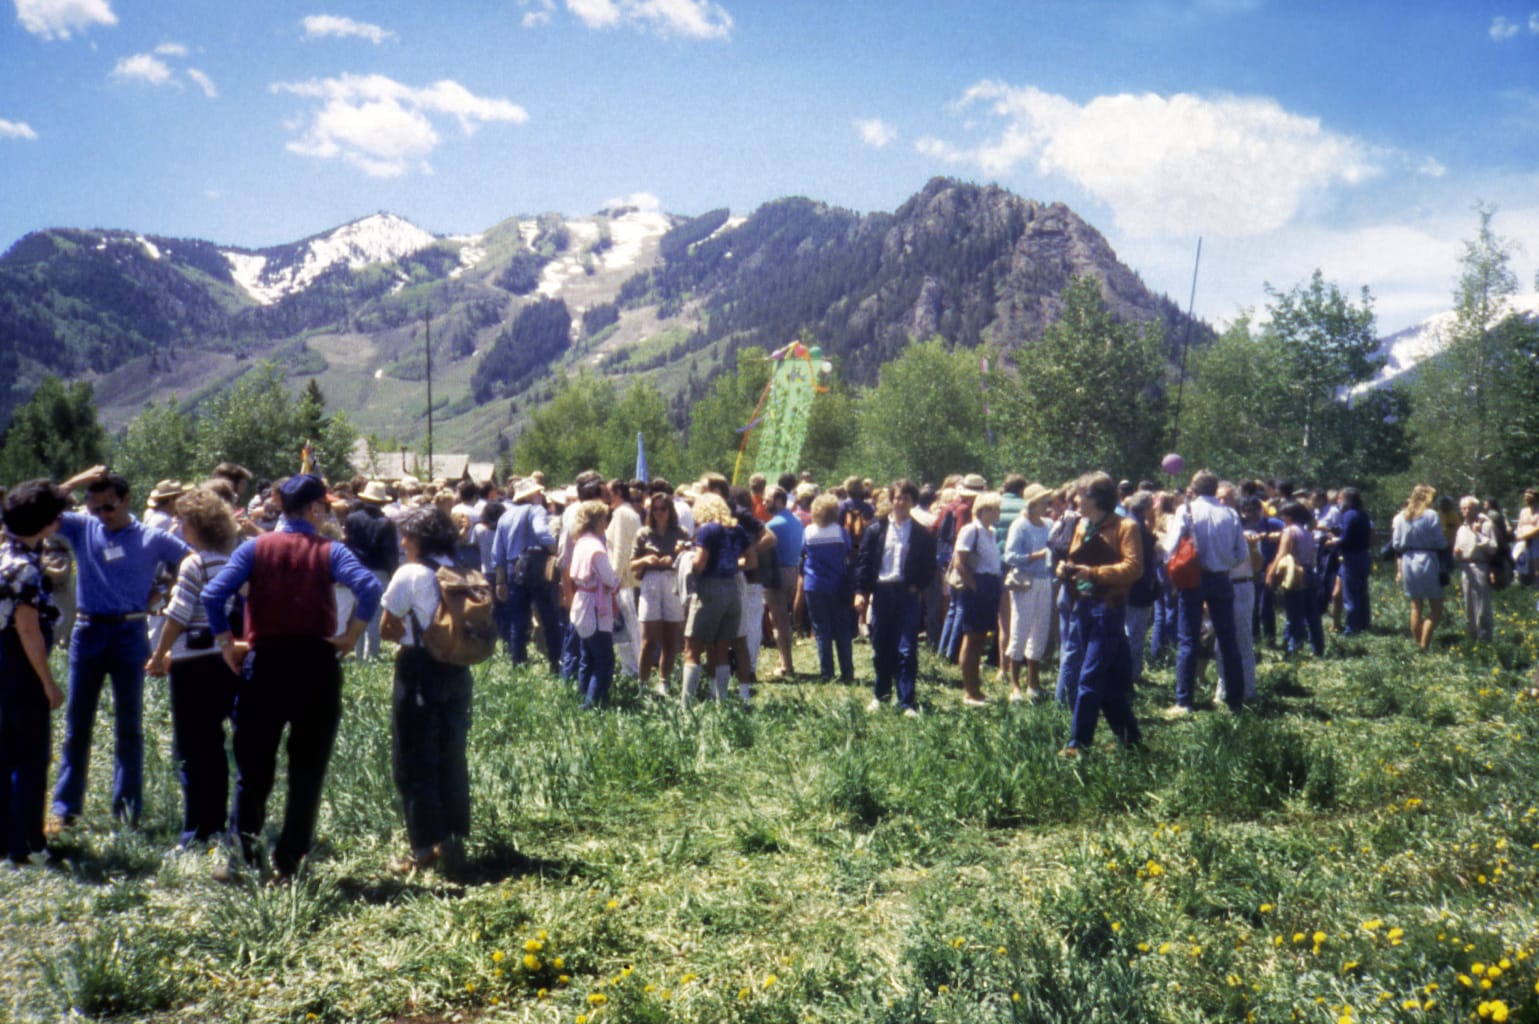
(641, 459)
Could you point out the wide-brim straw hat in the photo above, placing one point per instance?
(526, 489)
(1033, 494)
(375, 493)
(973, 484)
(167, 489)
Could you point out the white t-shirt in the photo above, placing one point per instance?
(414, 588)
(979, 540)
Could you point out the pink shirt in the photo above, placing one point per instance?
(593, 606)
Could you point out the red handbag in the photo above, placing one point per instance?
(1184, 567)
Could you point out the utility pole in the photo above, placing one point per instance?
(427, 317)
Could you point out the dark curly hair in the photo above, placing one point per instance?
(432, 529)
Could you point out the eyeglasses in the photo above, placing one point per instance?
(104, 510)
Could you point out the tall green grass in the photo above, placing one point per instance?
(1359, 842)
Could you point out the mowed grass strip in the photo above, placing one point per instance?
(1361, 846)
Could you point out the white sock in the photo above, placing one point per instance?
(719, 684)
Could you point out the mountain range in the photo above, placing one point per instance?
(628, 292)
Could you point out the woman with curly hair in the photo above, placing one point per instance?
(595, 584)
(430, 703)
(1417, 536)
(202, 685)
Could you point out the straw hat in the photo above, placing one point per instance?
(167, 489)
(527, 488)
(973, 484)
(375, 493)
(1034, 493)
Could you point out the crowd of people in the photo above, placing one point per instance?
(248, 607)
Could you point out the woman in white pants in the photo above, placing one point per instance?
(1031, 593)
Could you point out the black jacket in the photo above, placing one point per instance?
(918, 563)
(372, 537)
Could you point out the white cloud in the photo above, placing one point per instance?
(383, 127)
(171, 50)
(16, 130)
(142, 67)
(694, 19)
(320, 26)
(540, 16)
(1502, 29)
(644, 201)
(204, 82)
(1533, 23)
(56, 19)
(1432, 167)
(1185, 164)
(875, 132)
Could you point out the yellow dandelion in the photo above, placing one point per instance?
(542, 993)
(1015, 997)
(770, 980)
(1319, 938)
(1266, 908)
(597, 999)
(612, 905)
(744, 993)
(497, 956)
(1164, 948)
(470, 986)
(557, 963)
(531, 962)
(533, 946)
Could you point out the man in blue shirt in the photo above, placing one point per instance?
(524, 533)
(788, 557)
(117, 559)
(1221, 547)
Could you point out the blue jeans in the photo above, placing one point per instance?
(831, 629)
(1164, 634)
(1138, 633)
(1217, 593)
(1303, 624)
(523, 603)
(895, 642)
(595, 667)
(1105, 683)
(1070, 654)
(951, 630)
(97, 651)
(1354, 591)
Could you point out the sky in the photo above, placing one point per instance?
(1354, 137)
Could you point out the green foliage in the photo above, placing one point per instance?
(596, 319)
(160, 443)
(586, 425)
(1328, 344)
(258, 423)
(728, 405)
(1473, 410)
(55, 434)
(1089, 394)
(924, 418)
(541, 334)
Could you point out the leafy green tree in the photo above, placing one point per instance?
(257, 423)
(1470, 402)
(924, 418)
(1236, 406)
(160, 443)
(567, 435)
(832, 438)
(54, 434)
(1089, 395)
(640, 410)
(1329, 345)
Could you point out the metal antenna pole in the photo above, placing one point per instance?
(427, 317)
(1186, 347)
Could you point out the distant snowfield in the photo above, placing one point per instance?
(471, 252)
(380, 238)
(628, 234)
(1403, 350)
(149, 247)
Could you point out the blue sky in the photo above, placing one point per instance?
(1355, 137)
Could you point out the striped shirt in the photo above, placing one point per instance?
(186, 605)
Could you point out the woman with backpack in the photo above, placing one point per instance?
(430, 702)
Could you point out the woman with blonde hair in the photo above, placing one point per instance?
(977, 561)
(1417, 537)
(711, 623)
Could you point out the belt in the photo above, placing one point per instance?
(111, 618)
(1244, 579)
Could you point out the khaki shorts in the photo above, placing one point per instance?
(714, 611)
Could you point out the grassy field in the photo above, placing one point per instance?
(1364, 846)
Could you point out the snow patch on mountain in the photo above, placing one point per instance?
(380, 238)
(1403, 350)
(471, 252)
(629, 232)
(149, 247)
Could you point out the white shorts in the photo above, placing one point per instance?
(660, 598)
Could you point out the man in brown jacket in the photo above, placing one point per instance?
(1105, 560)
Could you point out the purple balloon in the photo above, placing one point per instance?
(1172, 463)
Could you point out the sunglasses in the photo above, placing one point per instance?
(104, 510)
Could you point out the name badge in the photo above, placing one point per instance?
(113, 552)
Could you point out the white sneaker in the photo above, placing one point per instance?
(874, 705)
(910, 712)
(1177, 711)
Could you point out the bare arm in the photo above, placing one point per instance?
(29, 630)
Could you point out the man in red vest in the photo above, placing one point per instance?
(291, 676)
